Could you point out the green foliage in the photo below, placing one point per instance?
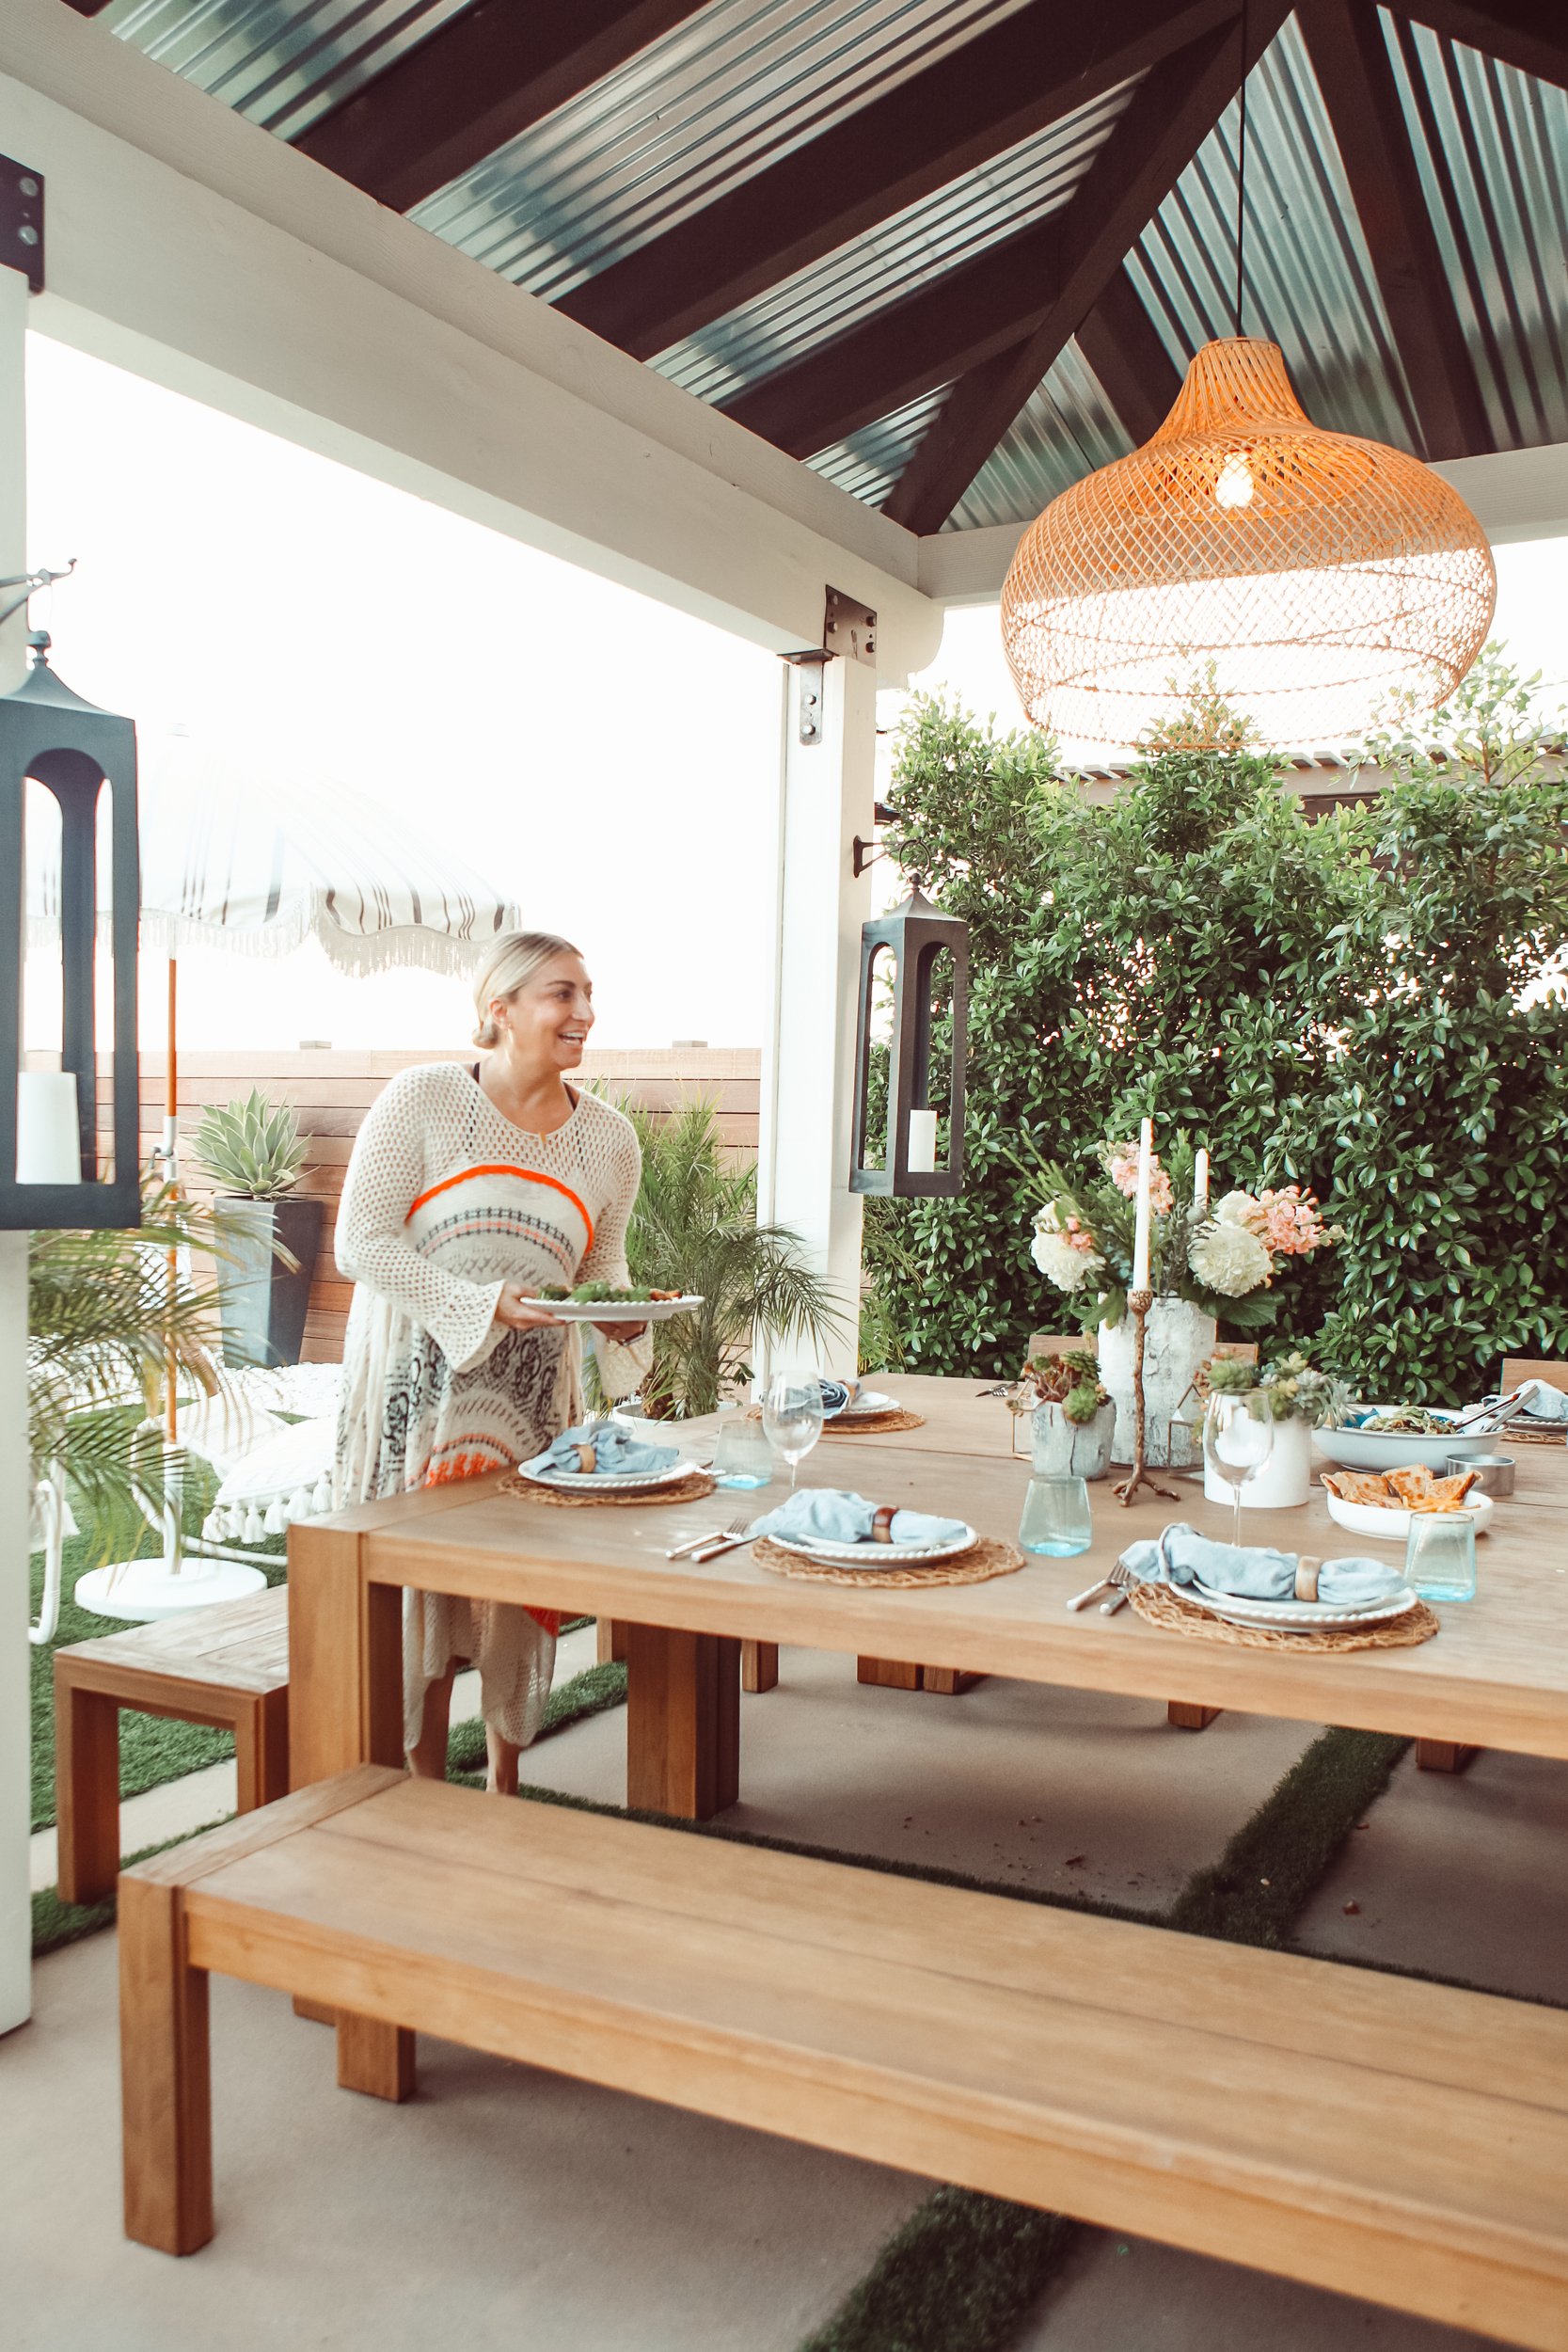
(251, 1148)
(695, 1230)
(1363, 1005)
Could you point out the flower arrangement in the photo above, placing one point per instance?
(1221, 1258)
(1290, 1389)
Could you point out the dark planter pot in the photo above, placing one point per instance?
(262, 1302)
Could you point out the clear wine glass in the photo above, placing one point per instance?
(1238, 1439)
(792, 1417)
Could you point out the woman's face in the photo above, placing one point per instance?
(549, 1019)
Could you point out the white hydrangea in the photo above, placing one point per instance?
(1228, 1258)
(1237, 1208)
(1068, 1268)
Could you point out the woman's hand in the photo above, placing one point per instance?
(519, 1312)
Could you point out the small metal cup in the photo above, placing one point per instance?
(1493, 1472)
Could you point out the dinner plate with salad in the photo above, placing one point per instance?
(612, 1302)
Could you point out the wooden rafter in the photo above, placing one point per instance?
(1128, 179)
(1530, 35)
(88, 8)
(1006, 84)
(1349, 59)
(486, 75)
(1132, 366)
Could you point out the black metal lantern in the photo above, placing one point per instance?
(73, 750)
(916, 935)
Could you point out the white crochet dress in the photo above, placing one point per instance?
(444, 1201)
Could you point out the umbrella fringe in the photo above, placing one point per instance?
(404, 947)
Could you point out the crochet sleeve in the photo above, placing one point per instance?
(386, 1176)
(621, 1369)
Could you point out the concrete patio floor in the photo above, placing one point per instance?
(511, 2208)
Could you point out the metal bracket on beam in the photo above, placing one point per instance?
(22, 220)
(811, 662)
(849, 629)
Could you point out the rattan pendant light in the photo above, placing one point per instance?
(1310, 573)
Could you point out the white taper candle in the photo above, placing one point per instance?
(1140, 1230)
(1200, 1181)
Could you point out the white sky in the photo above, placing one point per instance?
(609, 762)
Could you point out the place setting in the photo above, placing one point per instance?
(604, 1464)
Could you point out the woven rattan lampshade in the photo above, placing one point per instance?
(1317, 572)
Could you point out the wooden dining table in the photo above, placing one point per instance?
(1495, 1675)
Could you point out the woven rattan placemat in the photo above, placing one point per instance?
(1514, 1434)
(1175, 1613)
(986, 1559)
(873, 1425)
(690, 1490)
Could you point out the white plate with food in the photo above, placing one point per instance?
(1303, 1616)
(609, 1482)
(871, 1555)
(1389, 1523)
(1375, 1445)
(868, 1401)
(655, 1309)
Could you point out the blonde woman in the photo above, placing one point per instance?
(468, 1190)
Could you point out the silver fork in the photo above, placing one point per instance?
(1120, 1581)
(738, 1531)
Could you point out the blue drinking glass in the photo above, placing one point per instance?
(1055, 1519)
(1440, 1555)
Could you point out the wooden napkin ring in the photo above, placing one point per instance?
(587, 1457)
(1308, 1571)
(882, 1526)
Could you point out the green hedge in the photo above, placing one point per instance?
(1363, 1004)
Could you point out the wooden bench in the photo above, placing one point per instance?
(1392, 2139)
(227, 1666)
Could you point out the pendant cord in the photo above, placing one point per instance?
(1240, 175)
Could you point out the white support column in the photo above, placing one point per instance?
(16, 1914)
(826, 793)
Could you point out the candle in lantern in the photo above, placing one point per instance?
(1140, 1230)
(1200, 1184)
(923, 1142)
(48, 1139)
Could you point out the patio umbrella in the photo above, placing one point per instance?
(258, 869)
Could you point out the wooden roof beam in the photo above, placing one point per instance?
(1151, 146)
(1129, 362)
(1351, 61)
(1529, 35)
(1001, 86)
(486, 75)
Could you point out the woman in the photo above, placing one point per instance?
(468, 1190)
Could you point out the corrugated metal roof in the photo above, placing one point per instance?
(1067, 429)
(870, 461)
(995, 200)
(1492, 148)
(282, 63)
(693, 116)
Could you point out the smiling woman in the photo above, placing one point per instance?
(470, 1190)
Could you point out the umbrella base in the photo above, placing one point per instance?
(142, 1590)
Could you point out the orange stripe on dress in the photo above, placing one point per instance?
(530, 1175)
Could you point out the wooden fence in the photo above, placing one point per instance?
(330, 1092)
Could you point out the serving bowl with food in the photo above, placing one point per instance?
(1382, 1503)
(1395, 1437)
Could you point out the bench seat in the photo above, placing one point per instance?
(1395, 2140)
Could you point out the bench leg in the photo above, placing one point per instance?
(1184, 1716)
(375, 2059)
(759, 1666)
(947, 1682)
(86, 1792)
(164, 2089)
(611, 1639)
(262, 1752)
(889, 1673)
(682, 1721)
(1444, 1756)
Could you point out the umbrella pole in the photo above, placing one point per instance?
(173, 1498)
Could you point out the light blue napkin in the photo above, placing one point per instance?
(842, 1518)
(615, 1451)
(1251, 1571)
(1542, 1402)
(837, 1394)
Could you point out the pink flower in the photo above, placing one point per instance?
(1122, 1163)
(1291, 1224)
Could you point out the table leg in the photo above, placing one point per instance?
(759, 1666)
(165, 2075)
(682, 1721)
(261, 1750)
(374, 2058)
(1184, 1716)
(1444, 1756)
(86, 1791)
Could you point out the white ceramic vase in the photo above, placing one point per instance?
(1285, 1479)
(1177, 1337)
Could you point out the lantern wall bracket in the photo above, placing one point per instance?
(866, 853)
(22, 220)
(30, 584)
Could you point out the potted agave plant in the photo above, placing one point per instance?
(1074, 1419)
(269, 1235)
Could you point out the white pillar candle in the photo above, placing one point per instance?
(1140, 1230)
(923, 1143)
(1200, 1181)
(48, 1139)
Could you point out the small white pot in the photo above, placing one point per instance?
(1285, 1479)
(1178, 1338)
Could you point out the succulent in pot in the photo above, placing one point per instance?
(270, 1235)
(1074, 1420)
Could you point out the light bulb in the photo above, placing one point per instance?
(1234, 484)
